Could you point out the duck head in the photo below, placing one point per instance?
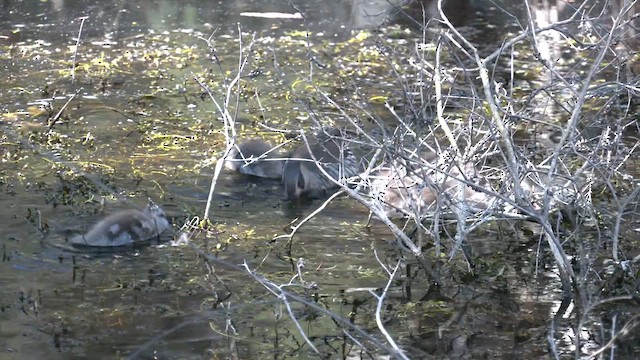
(302, 177)
(255, 157)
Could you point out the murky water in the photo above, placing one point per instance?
(142, 126)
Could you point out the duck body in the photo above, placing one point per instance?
(255, 157)
(404, 193)
(126, 227)
(302, 177)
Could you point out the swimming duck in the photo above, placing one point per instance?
(301, 176)
(255, 157)
(403, 193)
(125, 227)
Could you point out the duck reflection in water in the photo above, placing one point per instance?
(127, 227)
